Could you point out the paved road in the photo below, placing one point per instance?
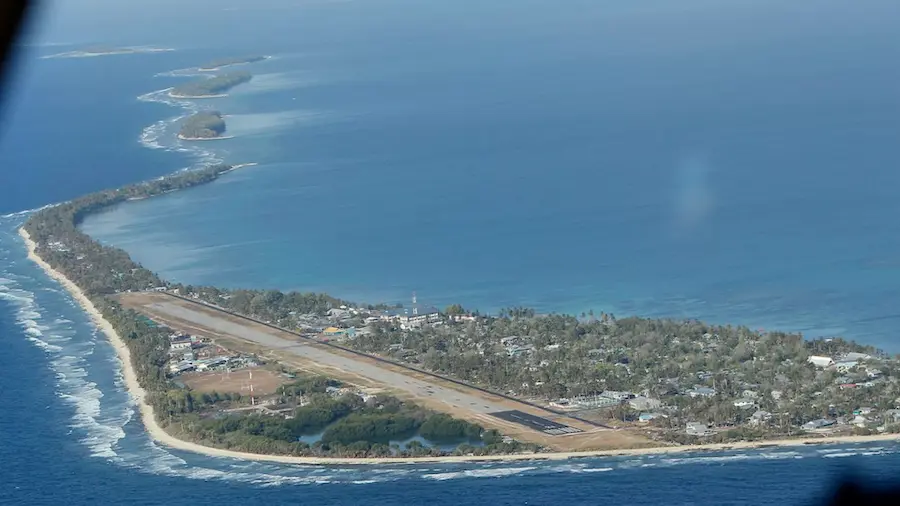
(375, 373)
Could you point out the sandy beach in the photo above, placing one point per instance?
(158, 434)
(175, 95)
(219, 138)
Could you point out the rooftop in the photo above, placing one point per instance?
(411, 311)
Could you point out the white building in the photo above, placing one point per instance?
(594, 401)
(641, 403)
(413, 316)
(701, 391)
(619, 396)
(562, 403)
(819, 361)
(182, 345)
(744, 404)
(698, 429)
(817, 424)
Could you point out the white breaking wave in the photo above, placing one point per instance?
(479, 473)
(163, 133)
(104, 419)
(26, 212)
(99, 430)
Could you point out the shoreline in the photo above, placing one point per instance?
(227, 65)
(159, 435)
(218, 138)
(189, 97)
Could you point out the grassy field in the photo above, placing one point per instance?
(264, 382)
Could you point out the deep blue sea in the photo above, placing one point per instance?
(731, 161)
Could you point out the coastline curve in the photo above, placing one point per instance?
(158, 434)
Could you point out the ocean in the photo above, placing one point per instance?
(727, 162)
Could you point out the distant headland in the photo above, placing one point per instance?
(203, 126)
(95, 51)
(210, 88)
(230, 62)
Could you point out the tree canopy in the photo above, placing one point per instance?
(211, 86)
(203, 125)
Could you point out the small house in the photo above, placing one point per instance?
(641, 403)
(759, 416)
(701, 391)
(698, 429)
(619, 396)
(647, 417)
(817, 424)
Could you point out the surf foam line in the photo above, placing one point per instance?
(110, 430)
(162, 134)
(25, 213)
(90, 381)
(97, 422)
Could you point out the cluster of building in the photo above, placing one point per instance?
(843, 363)
(856, 370)
(515, 346)
(338, 323)
(189, 353)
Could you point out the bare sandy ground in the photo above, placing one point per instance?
(157, 433)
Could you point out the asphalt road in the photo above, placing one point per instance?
(373, 372)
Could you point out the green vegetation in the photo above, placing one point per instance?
(561, 356)
(370, 427)
(203, 125)
(443, 427)
(695, 372)
(351, 427)
(266, 305)
(227, 62)
(97, 269)
(212, 86)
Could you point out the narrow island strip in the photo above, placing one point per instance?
(104, 281)
(108, 51)
(217, 65)
(213, 87)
